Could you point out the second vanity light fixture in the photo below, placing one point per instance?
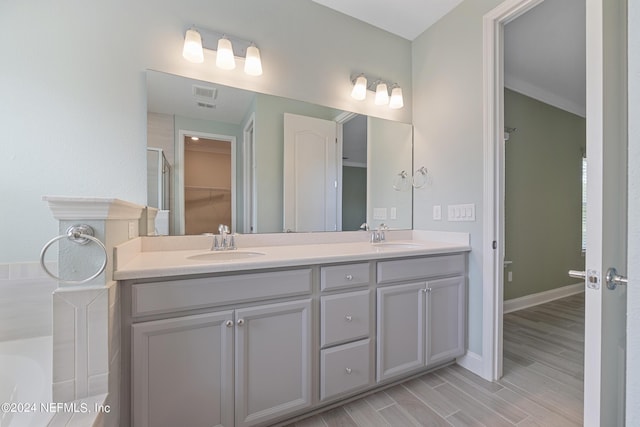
(198, 39)
(360, 87)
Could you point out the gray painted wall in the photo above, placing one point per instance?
(447, 119)
(354, 197)
(85, 76)
(543, 195)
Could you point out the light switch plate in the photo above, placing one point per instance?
(380, 213)
(465, 212)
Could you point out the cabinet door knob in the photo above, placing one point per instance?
(428, 289)
(348, 318)
(240, 322)
(228, 323)
(349, 277)
(348, 370)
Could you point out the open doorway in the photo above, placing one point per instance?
(543, 161)
(540, 74)
(207, 184)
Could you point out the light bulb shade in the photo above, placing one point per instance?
(224, 57)
(359, 91)
(252, 64)
(382, 95)
(192, 50)
(396, 100)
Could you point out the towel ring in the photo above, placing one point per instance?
(80, 234)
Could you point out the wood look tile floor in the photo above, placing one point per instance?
(542, 383)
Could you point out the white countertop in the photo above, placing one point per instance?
(132, 261)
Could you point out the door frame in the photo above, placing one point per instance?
(250, 217)
(493, 210)
(178, 203)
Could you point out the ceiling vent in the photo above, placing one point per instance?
(205, 92)
(205, 105)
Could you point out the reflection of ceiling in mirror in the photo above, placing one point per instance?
(186, 97)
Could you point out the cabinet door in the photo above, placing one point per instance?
(183, 371)
(401, 319)
(445, 319)
(273, 361)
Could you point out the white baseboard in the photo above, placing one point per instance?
(541, 297)
(472, 362)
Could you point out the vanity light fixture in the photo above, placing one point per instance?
(226, 47)
(253, 65)
(192, 50)
(359, 91)
(381, 89)
(382, 94)
(225, 59)
(396, 100)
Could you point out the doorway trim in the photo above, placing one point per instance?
(250, 217)
(493, 210)
(178, 203)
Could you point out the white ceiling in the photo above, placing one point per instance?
(405, 18)
(544, 48)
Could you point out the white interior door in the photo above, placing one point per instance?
(310, 174)
(605, 309)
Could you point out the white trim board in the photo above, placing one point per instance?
(471, 361)
(527, 301)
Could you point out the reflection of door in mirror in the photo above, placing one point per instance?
(207, 184)
(354, 172)
(310, 174)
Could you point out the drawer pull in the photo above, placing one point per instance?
(240, 322)
(349, 277)
(348, 318)
(348, 371)
(228, 323)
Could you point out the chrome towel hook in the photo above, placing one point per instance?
(80, 234)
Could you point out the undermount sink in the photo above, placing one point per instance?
(224, 255)
(396, 245)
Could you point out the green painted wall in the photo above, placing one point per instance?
(543, 195)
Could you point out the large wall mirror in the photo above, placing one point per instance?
(265, 164)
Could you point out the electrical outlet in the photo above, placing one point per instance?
(510, 276)
(132, 229)
(393, 213)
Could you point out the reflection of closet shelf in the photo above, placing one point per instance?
(198, 188)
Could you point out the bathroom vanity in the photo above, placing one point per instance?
(277, 331)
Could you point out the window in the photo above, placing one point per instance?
(584, 204)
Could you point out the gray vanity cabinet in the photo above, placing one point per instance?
(183, 371)
(420, 321)
(183, 368)
(273, 361)
(446, 319)
(401, 330)
(253, 348)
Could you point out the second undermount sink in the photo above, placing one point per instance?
(396, 245)
(224, 255)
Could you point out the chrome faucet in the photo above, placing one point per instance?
(378, 236)
(226, 242)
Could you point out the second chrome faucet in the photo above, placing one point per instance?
(223, 241)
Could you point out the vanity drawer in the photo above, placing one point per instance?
(419, 268)
(345, 368)
(188, 294)
(341, 276)
(344, 317)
